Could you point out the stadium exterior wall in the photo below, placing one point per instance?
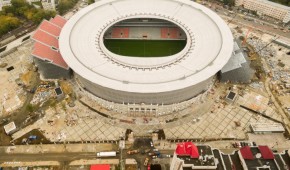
(50, 71)
(165, 80)
(165, 98)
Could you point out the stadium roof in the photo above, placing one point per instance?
(209, 46)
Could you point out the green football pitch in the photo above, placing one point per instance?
(144, 48)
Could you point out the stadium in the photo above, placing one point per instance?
(145, 51)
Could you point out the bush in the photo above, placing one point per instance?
(65, 5)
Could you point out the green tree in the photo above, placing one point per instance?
(91, 1)
(65, 5)
(40, 14)
(229, 2)
(8, 23)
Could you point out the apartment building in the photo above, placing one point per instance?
(265, 7)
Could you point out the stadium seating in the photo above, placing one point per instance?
(170, 33)
(118, 32)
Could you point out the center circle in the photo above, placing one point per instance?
(145, 37)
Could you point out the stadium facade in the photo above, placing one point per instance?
(152, 80)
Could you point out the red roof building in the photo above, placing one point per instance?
(266, 152)
(187, 149)
(247, 153)
(100, 167)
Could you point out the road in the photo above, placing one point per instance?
(65, 158)
(61, 157)
(238, 18)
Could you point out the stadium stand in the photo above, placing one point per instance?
(46, 53)
(46, 46)
(171, 33)
(58, 20)
(125, 33)
(164, 32)
(50, 28)
(118, 32)
(45, 38)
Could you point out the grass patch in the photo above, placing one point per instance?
(144, 48)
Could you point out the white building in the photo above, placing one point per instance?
(265, 7)
(47, 4)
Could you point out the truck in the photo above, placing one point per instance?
(107, 154)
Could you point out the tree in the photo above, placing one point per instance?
(91, 1)
(229, 2)
(8, 23)
(10, 16)
(40, 14)
(18, 3)
(65, 5)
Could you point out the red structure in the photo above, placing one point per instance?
(46, 45)
(59, 21)
(100, 167)
(46, 53)
(266, 152)
(170, 33)
(120, 32)
(50, 28)
(173, 33)
(247, 153)
(45, 38)
(187, 149)
(125, 33)
(164, 32)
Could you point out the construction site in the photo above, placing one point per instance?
(60, 111)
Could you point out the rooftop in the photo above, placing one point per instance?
(204, 157)
(45, 38)
(50, 28)
(267, 127)
(81, 45)
(274, 4)
(59, 21)
(46, 53)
